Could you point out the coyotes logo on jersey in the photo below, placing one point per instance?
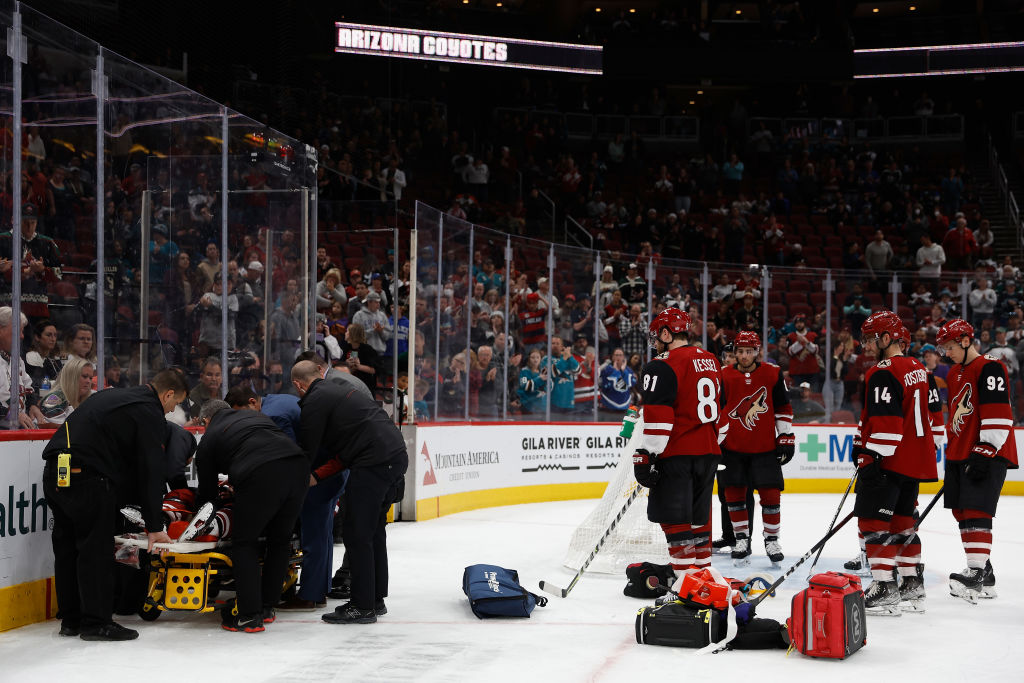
(962, 408)
(751, 408)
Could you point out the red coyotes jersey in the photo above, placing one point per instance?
(681, 391)
(896, 422)
(756, 408)
(979, 409)
(584, 382)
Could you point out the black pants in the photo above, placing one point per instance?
(370, 493)
(83, 546)
(267, 503)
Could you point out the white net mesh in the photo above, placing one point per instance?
(635, 539)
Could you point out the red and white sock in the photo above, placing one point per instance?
(902, 529)
(736, 503)
(881, 557)
(771, 511)
(701, 544)
(976, 536)
(680, 546)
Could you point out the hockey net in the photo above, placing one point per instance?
(634, 539)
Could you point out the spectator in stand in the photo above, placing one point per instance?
(40, 265)
(732, 174)
(162, 253)
(490, 278)
(857, 308)
(634, 287)
(323, 263)
(921, 296)
(43, 361)
(70, 388)
(803, 353)
(208, 388)
(723, 316)
(878, 256)
(28, 412)
(985, 239)
(951, 188)
(724, 289)
(532, 322)
(934, 322)
(774, 241)
(210, 328)
(80, 342)
(564, 369)
(209, 266)
(805, 408)
(853, 259)
(329, 291)
(360, 357)
(748, 317)
(982, 301)
(616, 150)
(357, 300)
(843, 355)
(1009, 300)
(476, 176)
(917, 343)
(533, 384)
(375, 322)
(285, 330)
(959, 246)
(930, 257)
(393, 180)
(613, 313)
(633, 331)
(452, 401)
(616, 381)
(547, 299)
(717, 340)
(483, 384)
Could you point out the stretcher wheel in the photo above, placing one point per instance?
(149, 612)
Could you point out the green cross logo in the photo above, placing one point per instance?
(812, 448)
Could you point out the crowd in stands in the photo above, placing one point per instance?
(797, 202)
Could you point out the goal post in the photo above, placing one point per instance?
(634, 539)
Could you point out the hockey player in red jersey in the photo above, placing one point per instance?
(759, 442)
(981, 448)
(897, 452)
(679, 451)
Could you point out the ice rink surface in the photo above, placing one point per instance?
(430, 634)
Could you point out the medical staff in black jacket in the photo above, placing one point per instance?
(116, 444)
(269, 474)
(342, 428)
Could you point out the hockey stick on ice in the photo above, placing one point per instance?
(820, 544)
(549, 587)
(834, 518)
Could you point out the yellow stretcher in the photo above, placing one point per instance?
(188, 575)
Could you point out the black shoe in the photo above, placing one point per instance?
(342, 577)
(109, 631)
(379, 608)
(723, 542)
(340, 593)
(69, 629)
(350, 614)
(269, 615)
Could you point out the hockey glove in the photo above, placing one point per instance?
(870, 466)
(744, 613)
(785, 447)
(978, 461)
(645, 469)
(858, 447)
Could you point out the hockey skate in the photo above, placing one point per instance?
(912, 592)
(988, 584)
(968, 584)
(859, 565)
(134, 515)
(720, 546)
(882, 598)
(774, 550)
(200, 523)
(741, 551)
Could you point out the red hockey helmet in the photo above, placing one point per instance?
(882, 322)
(747, 338)
(954, 330)
(675, 320)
